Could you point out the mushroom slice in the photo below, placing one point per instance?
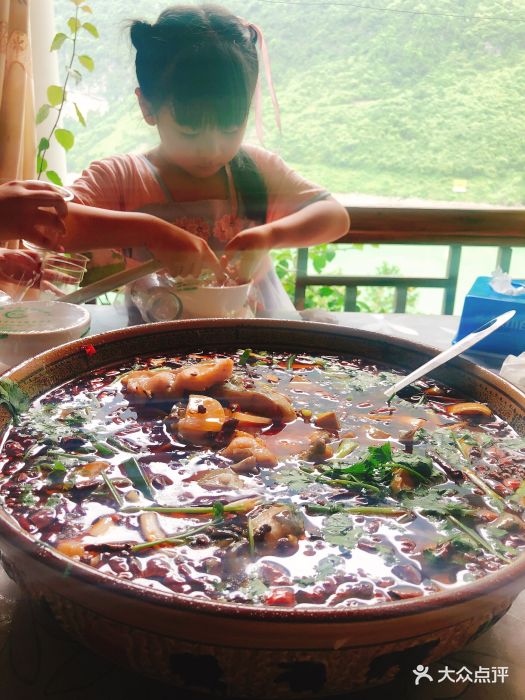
(220, 478)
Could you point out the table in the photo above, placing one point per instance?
(38, 660)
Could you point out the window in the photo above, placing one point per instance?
(382, 101)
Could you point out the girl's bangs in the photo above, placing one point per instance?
(211, 89)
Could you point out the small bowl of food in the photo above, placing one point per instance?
(30, 327)
(225, 301)
(206, 297)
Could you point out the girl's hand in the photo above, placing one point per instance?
(184, 255)
(246, 251)
(32, 211)
(257, 238)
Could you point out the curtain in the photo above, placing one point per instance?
(17, 114)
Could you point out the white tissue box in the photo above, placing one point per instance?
(482, 304)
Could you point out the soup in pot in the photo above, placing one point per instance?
(261, 478)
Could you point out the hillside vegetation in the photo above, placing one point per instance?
(373, 102)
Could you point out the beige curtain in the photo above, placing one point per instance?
(17, 114)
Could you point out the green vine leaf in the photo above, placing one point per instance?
(87, 62)
(43, 145)
(87, 8)
(65, 138)
(41, 163)
(91, 29)
(55, 95)
(54, 177)
(58, 41)
(77, 2)
(74, 24)
(80, 116)
(42, 113)
(75, 74)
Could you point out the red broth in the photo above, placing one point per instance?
(326, 497)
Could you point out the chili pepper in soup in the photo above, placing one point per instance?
(273, 479)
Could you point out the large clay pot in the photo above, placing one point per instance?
(258, 652)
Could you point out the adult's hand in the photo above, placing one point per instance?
(33, 211)
(21, 266)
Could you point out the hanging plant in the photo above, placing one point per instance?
(57, 95)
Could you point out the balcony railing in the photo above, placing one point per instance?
(453, 227)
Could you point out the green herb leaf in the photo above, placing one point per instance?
(290, 361)
(295, 479)
(218, 510)
(435, 502)
(338, 529)
(244, 357)
(134, 471)
(13, 398)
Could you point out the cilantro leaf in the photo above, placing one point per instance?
(435, 502)
(13, 398)
(338, 529)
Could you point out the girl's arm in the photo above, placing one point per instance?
(90, 228)
(319, 222)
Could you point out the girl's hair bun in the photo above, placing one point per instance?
(140, 33)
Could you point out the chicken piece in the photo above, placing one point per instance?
(203, 416)
(260, 399)
(220, 479)
(168, 384)
(277, 526)
(248, 453)
(319, 449)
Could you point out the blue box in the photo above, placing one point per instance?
(482, 304)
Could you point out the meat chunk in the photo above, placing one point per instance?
(202, 419)
(260, 399)
(248, 453)
(165, 384)
(277, 526)
(319, 450)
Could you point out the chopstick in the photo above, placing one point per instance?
(107, 284)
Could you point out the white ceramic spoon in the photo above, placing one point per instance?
(467, 342)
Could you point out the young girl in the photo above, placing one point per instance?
(197, 69)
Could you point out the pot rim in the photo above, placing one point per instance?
(46, 555)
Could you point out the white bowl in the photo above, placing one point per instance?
(30, 327)
(214, 302)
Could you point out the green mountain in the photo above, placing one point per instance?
(410, 100)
